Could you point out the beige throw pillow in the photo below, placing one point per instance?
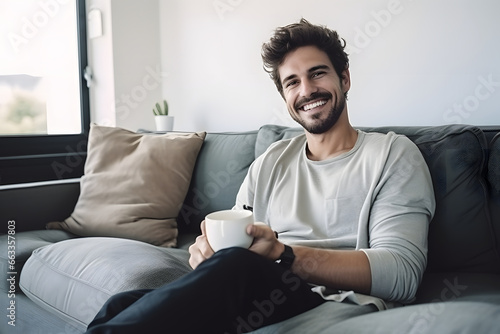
(134, 185)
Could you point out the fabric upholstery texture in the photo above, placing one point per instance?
(221, 167)
(268, 134)
(439, 317)
(451, 286)
(26, 243)
(494, 183)
(494, 166)
(74, 278)
(460, 237)
(134, 185)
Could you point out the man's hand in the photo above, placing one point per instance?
(265, 242)
(201, 249)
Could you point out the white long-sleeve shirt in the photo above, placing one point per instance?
(378, 198)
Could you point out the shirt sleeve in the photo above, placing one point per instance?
(399, 221)
(245, 196)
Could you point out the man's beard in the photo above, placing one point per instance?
(321, 126)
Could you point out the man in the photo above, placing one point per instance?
(346, 215)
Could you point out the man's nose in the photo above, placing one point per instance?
(307, 88)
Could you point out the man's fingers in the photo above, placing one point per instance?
(260, 230)
(203, 228)
(200, 251)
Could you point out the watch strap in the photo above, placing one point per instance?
(287, 257)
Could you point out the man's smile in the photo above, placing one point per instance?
(314, 101)
(313, 105)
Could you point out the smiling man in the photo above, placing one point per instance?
(345, 216)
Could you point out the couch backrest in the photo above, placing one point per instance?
(460, 234)
(221, 166)
(269, 134)
(494, 183)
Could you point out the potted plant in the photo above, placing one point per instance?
(164, 122)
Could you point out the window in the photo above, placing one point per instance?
(44, 103)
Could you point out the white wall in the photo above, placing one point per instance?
(100, 59)
(413, 62)
(126, 63)
(136, 47)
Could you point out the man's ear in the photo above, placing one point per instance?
(346, 80)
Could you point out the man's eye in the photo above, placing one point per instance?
(291, 83)
(317, 74)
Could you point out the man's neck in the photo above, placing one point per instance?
(341, 138)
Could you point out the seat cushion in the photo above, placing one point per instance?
(437, 317)
(74, 278)
(25, 243)
(320, 319)
(431, 318)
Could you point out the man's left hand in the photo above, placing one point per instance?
(265, 242)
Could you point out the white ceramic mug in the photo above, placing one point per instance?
(227, 228)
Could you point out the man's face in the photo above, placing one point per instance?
(313, 92)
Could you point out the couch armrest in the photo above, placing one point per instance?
(33, 205)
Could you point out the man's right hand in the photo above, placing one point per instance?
(201, 249)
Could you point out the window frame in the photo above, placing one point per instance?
(32, 158)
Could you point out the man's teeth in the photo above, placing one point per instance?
(313, 105)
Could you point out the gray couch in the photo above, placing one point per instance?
(460, 292)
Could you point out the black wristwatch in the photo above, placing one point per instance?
(286, 258)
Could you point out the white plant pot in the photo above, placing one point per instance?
(164, 123)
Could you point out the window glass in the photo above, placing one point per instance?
(39, 69)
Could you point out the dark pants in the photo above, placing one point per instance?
(235, 291)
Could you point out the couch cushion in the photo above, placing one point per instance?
(74, 278)
(32, 319)
(439, 317)
(269, 134)
(450, 286)
(25, 244)
(494, 166)
(134, 185)
(321, 319)
(436, 317)
(494, 182)
(220, 169)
